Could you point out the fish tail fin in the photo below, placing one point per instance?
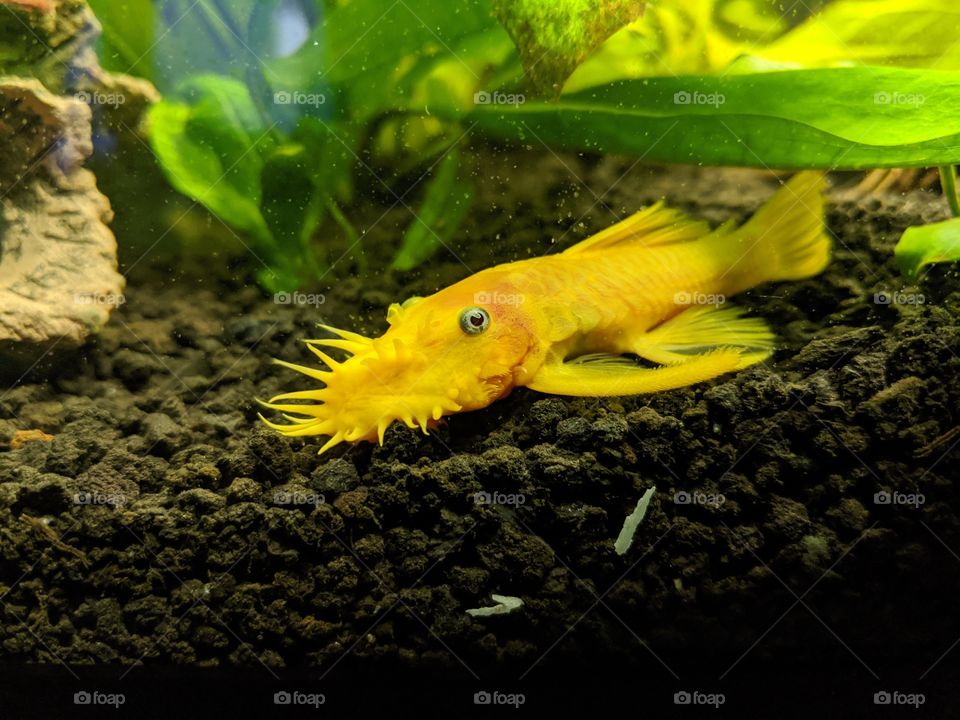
(786, 239)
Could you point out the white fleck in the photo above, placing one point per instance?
(630, 525)
(505, 604)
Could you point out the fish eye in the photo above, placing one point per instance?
(474, 320)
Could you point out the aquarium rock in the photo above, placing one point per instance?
(630, 525)
(42, 39)
(505, 604)
(58, 259)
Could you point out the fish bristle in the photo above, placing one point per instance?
(346, 345)
(401, 351)
(314, 373)
(297, 420)
(317, 395)
(326, 359)
(313, 411)
(346, 334)
(386, 351)
(333, 409)
(334, 440)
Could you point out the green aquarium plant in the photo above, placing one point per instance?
(215, 146)
(846, 89)
(857, 85)
(936, 242)
(272, 139)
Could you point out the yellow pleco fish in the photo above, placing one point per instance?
(654, 286)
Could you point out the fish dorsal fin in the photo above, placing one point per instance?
(655, 225)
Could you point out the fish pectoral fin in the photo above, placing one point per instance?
(608, 375)
(703, 329)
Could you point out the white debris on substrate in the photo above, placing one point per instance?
(630, 525)
(505, 604)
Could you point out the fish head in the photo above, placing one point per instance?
(459, 349)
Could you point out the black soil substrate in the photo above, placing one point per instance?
(162, 524)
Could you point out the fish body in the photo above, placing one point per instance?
(653, 286)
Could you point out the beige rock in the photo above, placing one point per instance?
(42, 38)
(58, 259)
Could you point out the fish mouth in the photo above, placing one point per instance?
(379, 383)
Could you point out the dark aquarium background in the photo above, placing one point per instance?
(189, 187)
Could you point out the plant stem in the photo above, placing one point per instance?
(948, 181)
(349, 231)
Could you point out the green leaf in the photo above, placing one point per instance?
(210, 148)
(678, 37)
(364, 53)
(919, 246)
(126, 44)
(293, 207)
(445, 205)
(841, 118)
(206, 36)
(682, 37)
(554, 36)
(330, 148)
(358, 38)
(166, 41)
(905, 33)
